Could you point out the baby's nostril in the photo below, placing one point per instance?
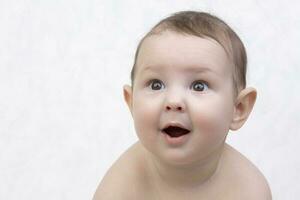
(178, 108)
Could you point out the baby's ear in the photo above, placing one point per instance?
(243, 107)
(127, 92)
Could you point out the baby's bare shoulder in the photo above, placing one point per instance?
(248, 181)
(124, 180)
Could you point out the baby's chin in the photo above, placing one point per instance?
(189, 157)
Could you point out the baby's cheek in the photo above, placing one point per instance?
(144, 116)
(211, 122)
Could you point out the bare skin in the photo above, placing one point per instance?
(187, 81)
(132, 177)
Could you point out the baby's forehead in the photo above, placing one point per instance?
(187, 51)
(178, 38)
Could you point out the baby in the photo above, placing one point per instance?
(188, 89)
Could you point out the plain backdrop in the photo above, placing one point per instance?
(63, 120)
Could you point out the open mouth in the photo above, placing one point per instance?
(175, 131)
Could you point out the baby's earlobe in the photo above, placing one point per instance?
(243, 107)
(127, 93)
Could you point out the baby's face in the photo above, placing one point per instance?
(186, 81)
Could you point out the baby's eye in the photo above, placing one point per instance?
(156, 84)
(199, 86)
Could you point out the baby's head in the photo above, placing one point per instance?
(204, 25)
(188, 86)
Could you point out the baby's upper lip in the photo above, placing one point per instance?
(175, 124)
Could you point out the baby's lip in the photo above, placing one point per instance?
(175, 124)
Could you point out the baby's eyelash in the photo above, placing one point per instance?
(150, 82)
(201, 81)
(203, 85)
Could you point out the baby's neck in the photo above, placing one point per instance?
(185, 177)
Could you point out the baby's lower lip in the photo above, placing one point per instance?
(175, 141)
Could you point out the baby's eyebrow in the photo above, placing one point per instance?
(199, 70)
(192, 69)
(151, 68)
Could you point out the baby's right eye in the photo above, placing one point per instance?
(156, 84)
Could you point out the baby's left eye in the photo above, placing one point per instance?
(199, 86)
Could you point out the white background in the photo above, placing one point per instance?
(63, 121)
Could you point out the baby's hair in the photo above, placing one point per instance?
(204, 25)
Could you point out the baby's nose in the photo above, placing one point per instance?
(175, 107)
(175, 99)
